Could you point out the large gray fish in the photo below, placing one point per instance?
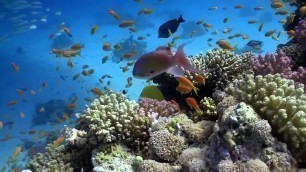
(170, 27)
(162, 60)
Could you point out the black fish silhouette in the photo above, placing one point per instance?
(170, 27)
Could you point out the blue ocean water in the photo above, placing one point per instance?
(47, 82)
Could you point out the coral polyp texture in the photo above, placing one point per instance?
(222, 66)
(300, 32)
(272, 64)
(112, 117)
(280, 101)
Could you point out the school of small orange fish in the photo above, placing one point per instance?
(185, 85)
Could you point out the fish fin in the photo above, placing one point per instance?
(176, 71)
(181, 60)
(196, 89)
(180, 19)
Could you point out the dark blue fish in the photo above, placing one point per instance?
(255, 44)
(170, 27)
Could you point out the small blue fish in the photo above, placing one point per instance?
(255, 44)
(162, 60)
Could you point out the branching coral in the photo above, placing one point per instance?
(281, 102)
(62, 158)
(300, 32)
(278, 63)
(112, 118)
(272, 64)
(297, 53)
(222, 66)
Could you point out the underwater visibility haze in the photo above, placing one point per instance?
(152, 85)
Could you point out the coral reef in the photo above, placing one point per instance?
(193, 159)
(154, 108)
(222, 66)
(272, 64)
(112, 118)
(296, 53)
(241, 137)
(62, 158)
(166, 145)
(151, 165)
(278, 63)
(112, 157)
(279, 101)
(300, 32)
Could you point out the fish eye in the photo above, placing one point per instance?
(152, 71)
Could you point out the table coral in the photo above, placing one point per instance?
(281, 102)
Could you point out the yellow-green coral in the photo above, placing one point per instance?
(112, 117)
(208, 110)
(107, 153)
(281, 102)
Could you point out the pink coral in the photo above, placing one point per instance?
(154, 108)
(299, 75)
(278, 63)
(300, 32)
(272, 63)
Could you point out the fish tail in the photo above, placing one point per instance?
(196, 89)
(180, 19)
(181, 60)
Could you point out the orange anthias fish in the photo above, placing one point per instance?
(1, 124)
(11, 103)
(67, 31)
(113, 13)
(16, 153)
(186, 82)
(200, 79)
(15, 67)
(183, 89)
(58, 142)
(22, 115)
(192, 103)
(225, 45)
(20, 92)
(162, 60)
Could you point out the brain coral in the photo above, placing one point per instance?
(223, 65)
(281, 102)
(112, 118)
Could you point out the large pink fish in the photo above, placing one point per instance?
(161, 60)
